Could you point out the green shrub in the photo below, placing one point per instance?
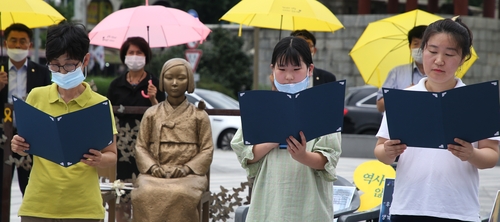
(207, 83)
(102, 83)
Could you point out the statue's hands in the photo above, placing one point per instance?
(180, 172)
(158, 172)
(187, 170)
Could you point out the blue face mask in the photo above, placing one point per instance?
(292, 87)
(69, 80)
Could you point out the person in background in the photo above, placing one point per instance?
(17, 78)
(319, 76)
(296, 183)
(438, 184)
(407, 75)
(136, 87)
(55, 192)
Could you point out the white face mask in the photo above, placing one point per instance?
(416, 54)
(134, 62)
(69, 80)
(17, 54)
(292, 87)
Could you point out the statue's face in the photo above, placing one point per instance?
(175, 81)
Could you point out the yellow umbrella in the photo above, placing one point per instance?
(284, 15)
(32, 13)
(384, 45)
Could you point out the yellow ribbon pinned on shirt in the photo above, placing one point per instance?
(7, 112)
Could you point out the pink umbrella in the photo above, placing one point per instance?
(160, 26)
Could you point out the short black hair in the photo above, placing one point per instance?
(139, 42)
(68, 38)
(20, 28)
(291, 50)
(304, 33)
(416, 32)
(456, 29)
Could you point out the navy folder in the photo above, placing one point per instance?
(385, 215)
(64, 139)
(430, 119)
(273, 116)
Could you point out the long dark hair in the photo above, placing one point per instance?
(291, 50)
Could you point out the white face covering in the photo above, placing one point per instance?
(135, 62)
(416, 54)
(69, 80)
(17, 54)
(292, 87)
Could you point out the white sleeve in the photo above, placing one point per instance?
(383, 131)
(497, 138)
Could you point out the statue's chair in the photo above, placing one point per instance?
(109, 197)
(204, 205)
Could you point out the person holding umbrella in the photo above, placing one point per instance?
(18, 77)
(136, 87)
(438, 184)
(407, 75)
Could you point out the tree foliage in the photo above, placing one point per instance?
(160, 56)
(477, 3)
(131, 3)
(66, 10)
(224, 62)
(208, 11)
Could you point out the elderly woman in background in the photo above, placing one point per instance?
(174, 151)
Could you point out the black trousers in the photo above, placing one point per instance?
(407, 218)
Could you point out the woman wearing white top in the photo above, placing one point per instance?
(438, 184)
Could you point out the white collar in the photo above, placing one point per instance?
(12, 65)
(420, 86)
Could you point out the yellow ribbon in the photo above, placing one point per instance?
(7, 113)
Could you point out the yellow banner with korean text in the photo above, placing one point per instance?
(369, 177)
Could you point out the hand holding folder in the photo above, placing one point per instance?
(434, 119)
(273, 116)
(64, 139)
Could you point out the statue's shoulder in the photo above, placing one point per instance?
(154, 109)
